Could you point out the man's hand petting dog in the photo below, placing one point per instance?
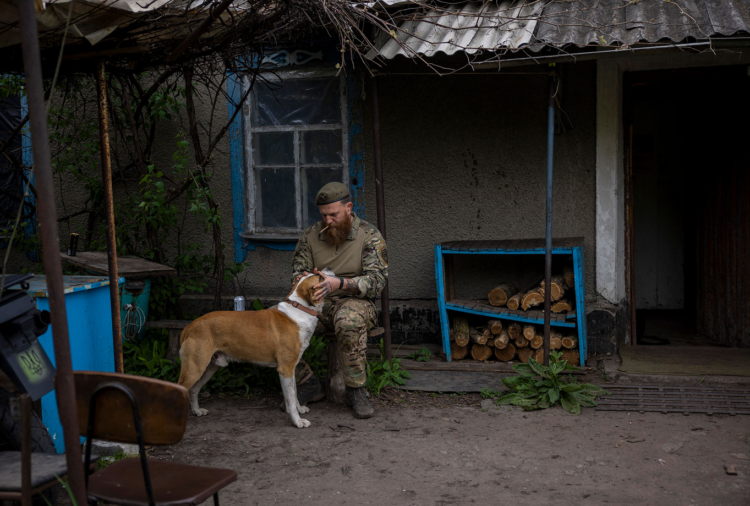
(332, 283)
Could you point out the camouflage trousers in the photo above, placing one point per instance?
(350, 318)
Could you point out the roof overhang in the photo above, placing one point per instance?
(495, 28)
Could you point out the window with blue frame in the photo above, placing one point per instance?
(295, 141)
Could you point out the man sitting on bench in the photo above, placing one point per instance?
(357, 254)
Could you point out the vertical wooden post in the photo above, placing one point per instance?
(64, 382)
(385, 303)
(25, 449)
(109, 207)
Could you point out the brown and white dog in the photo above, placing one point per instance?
(275, 337)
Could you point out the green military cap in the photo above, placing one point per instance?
(330, 193)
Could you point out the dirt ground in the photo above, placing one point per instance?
(445, 449)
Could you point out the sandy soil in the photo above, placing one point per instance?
(442, 449)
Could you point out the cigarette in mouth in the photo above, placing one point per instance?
(325, 229)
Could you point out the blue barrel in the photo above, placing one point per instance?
(89, 329)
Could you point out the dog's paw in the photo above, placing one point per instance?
(302, 423)
(200, 412)
(303, 409)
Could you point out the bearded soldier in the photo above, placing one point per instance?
(356, 252)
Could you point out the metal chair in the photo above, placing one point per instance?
(133, 409)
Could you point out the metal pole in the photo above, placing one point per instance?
(548, 229)
(109, 208)
(25, 403)
(385, 304)
(64, 383)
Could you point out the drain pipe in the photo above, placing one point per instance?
(64, 383)
(548, 229)
(385, 304)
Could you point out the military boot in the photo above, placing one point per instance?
(358, 398)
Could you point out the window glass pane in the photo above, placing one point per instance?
(273, 148)
(320, 146)
(274, 198)
(297, 102)
(313, 179)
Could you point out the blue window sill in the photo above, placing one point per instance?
(279, 242)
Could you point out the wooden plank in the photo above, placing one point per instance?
(168, 324)
(477, 308)
(454, 381)
(466, 366)
(128, 267)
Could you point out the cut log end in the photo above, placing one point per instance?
(524, 354)
(502, 340)
(514, 331)
(570, 342)
(555, 343)
(499, 295)
(495, 326)
(569, 276)
(529, 332)
(532, 298)
(562, 306)
(506, 353)
(481, 352)
(572, 356)
(477, 337)
(458, 352)
(522, 342)
(460, 330)
(558, 288)
(536, 342)
(514, 302)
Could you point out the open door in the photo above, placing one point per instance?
(688, 198)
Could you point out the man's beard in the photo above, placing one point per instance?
(337, 233)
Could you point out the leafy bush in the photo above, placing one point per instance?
(530, 392)
(423, 355)
(382, 373)
(149, 358)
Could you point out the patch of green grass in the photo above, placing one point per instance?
(107, 461)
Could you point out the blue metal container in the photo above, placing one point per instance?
(90, 329)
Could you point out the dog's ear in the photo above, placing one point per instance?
(309, 294)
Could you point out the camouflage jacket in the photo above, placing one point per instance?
(374, 257)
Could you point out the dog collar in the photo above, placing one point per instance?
(299, 306)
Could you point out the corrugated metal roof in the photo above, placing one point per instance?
(516, 24)
(610, 22)
(468, 27)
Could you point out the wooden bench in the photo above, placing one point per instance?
(175, 331)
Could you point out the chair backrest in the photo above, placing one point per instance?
(163, 408)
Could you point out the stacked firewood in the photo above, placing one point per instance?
(506, 341)
(508, 295)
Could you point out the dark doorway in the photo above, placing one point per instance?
(690, 194)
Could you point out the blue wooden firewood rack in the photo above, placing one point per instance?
(561, 246)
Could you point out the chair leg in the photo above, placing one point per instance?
(216, 499)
